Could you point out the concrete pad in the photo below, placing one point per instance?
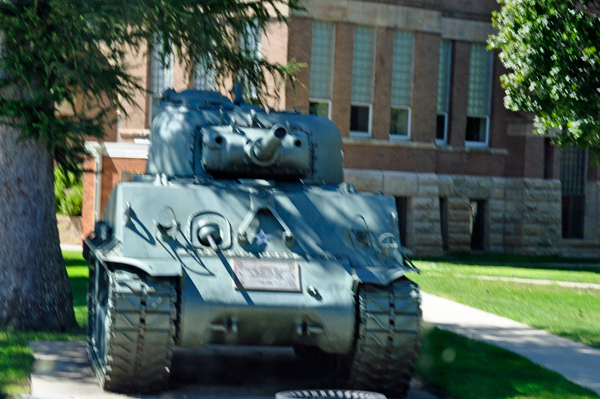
(61, 370)
(577, 362)
(71, 247)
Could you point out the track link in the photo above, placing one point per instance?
(387, 337)
(131, 330)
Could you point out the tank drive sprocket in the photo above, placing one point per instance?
(131, 329)
(387, 337)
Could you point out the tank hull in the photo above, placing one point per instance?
(242, 232)
(213, 311)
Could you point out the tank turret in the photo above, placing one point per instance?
(196, 134)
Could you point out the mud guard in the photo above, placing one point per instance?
(152, 267)
(382, 276)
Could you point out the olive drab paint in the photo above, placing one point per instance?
(243, 232)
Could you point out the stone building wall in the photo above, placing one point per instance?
(522, 215)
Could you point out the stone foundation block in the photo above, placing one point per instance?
(459, 238)
(400, 184)
(429, 190)
(459, 216)
(542, 196)
(430, 179)
(446, 186)
(424, 203)
(458, 203)
(424, 227)
(428, 216)
(364, 180)
(458, 228)
(430, 240)
(459, 249)
(423, 250)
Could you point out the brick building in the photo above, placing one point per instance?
(417, 98)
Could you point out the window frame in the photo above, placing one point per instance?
(155, 97)
(479, 144)
(206, 72)
(396, 137)
(321, 100)
(444, 141)
(369, 134)
(399, 137)
(331, 72)
(482, 144)
(252, 29)
(362, 135)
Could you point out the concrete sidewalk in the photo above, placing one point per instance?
(579, 363)
(71, 247)
(61, 371)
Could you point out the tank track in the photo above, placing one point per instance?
(387, 337)
(131, 331)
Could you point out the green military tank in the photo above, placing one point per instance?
(243, 232)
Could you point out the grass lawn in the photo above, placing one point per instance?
(16, 357)
(467, 369)
(570, 312)
(461, 368)
(526, 270)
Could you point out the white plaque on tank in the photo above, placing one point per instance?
(266, 275)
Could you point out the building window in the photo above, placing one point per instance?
(250, 40)
(320, 108)
(443, 100)
(250, 46)
(573, 176)
(402, 84)
(479, 100)
(161, 74)
(204, 77)
(363, 77)
(321, 68)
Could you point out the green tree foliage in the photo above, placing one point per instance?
(68, 191)
(54, 52)
(57, 51)
(552, 50)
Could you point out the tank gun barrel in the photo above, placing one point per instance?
(265, 149)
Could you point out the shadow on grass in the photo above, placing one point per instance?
(468, 369)
(79, 289)
(16, 359)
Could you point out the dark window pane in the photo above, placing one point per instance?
(440, 129)
(573, 216)
(444, 222)
(476, 129)
(320, 109)
(359, 118)
(401, 209)
(477, 212)
(399, 122)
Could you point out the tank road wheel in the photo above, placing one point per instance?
(387, 337)
(131, 330)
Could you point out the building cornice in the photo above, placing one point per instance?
(118, 150)
(400, 15)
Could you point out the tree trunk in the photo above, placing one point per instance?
(34, 287)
